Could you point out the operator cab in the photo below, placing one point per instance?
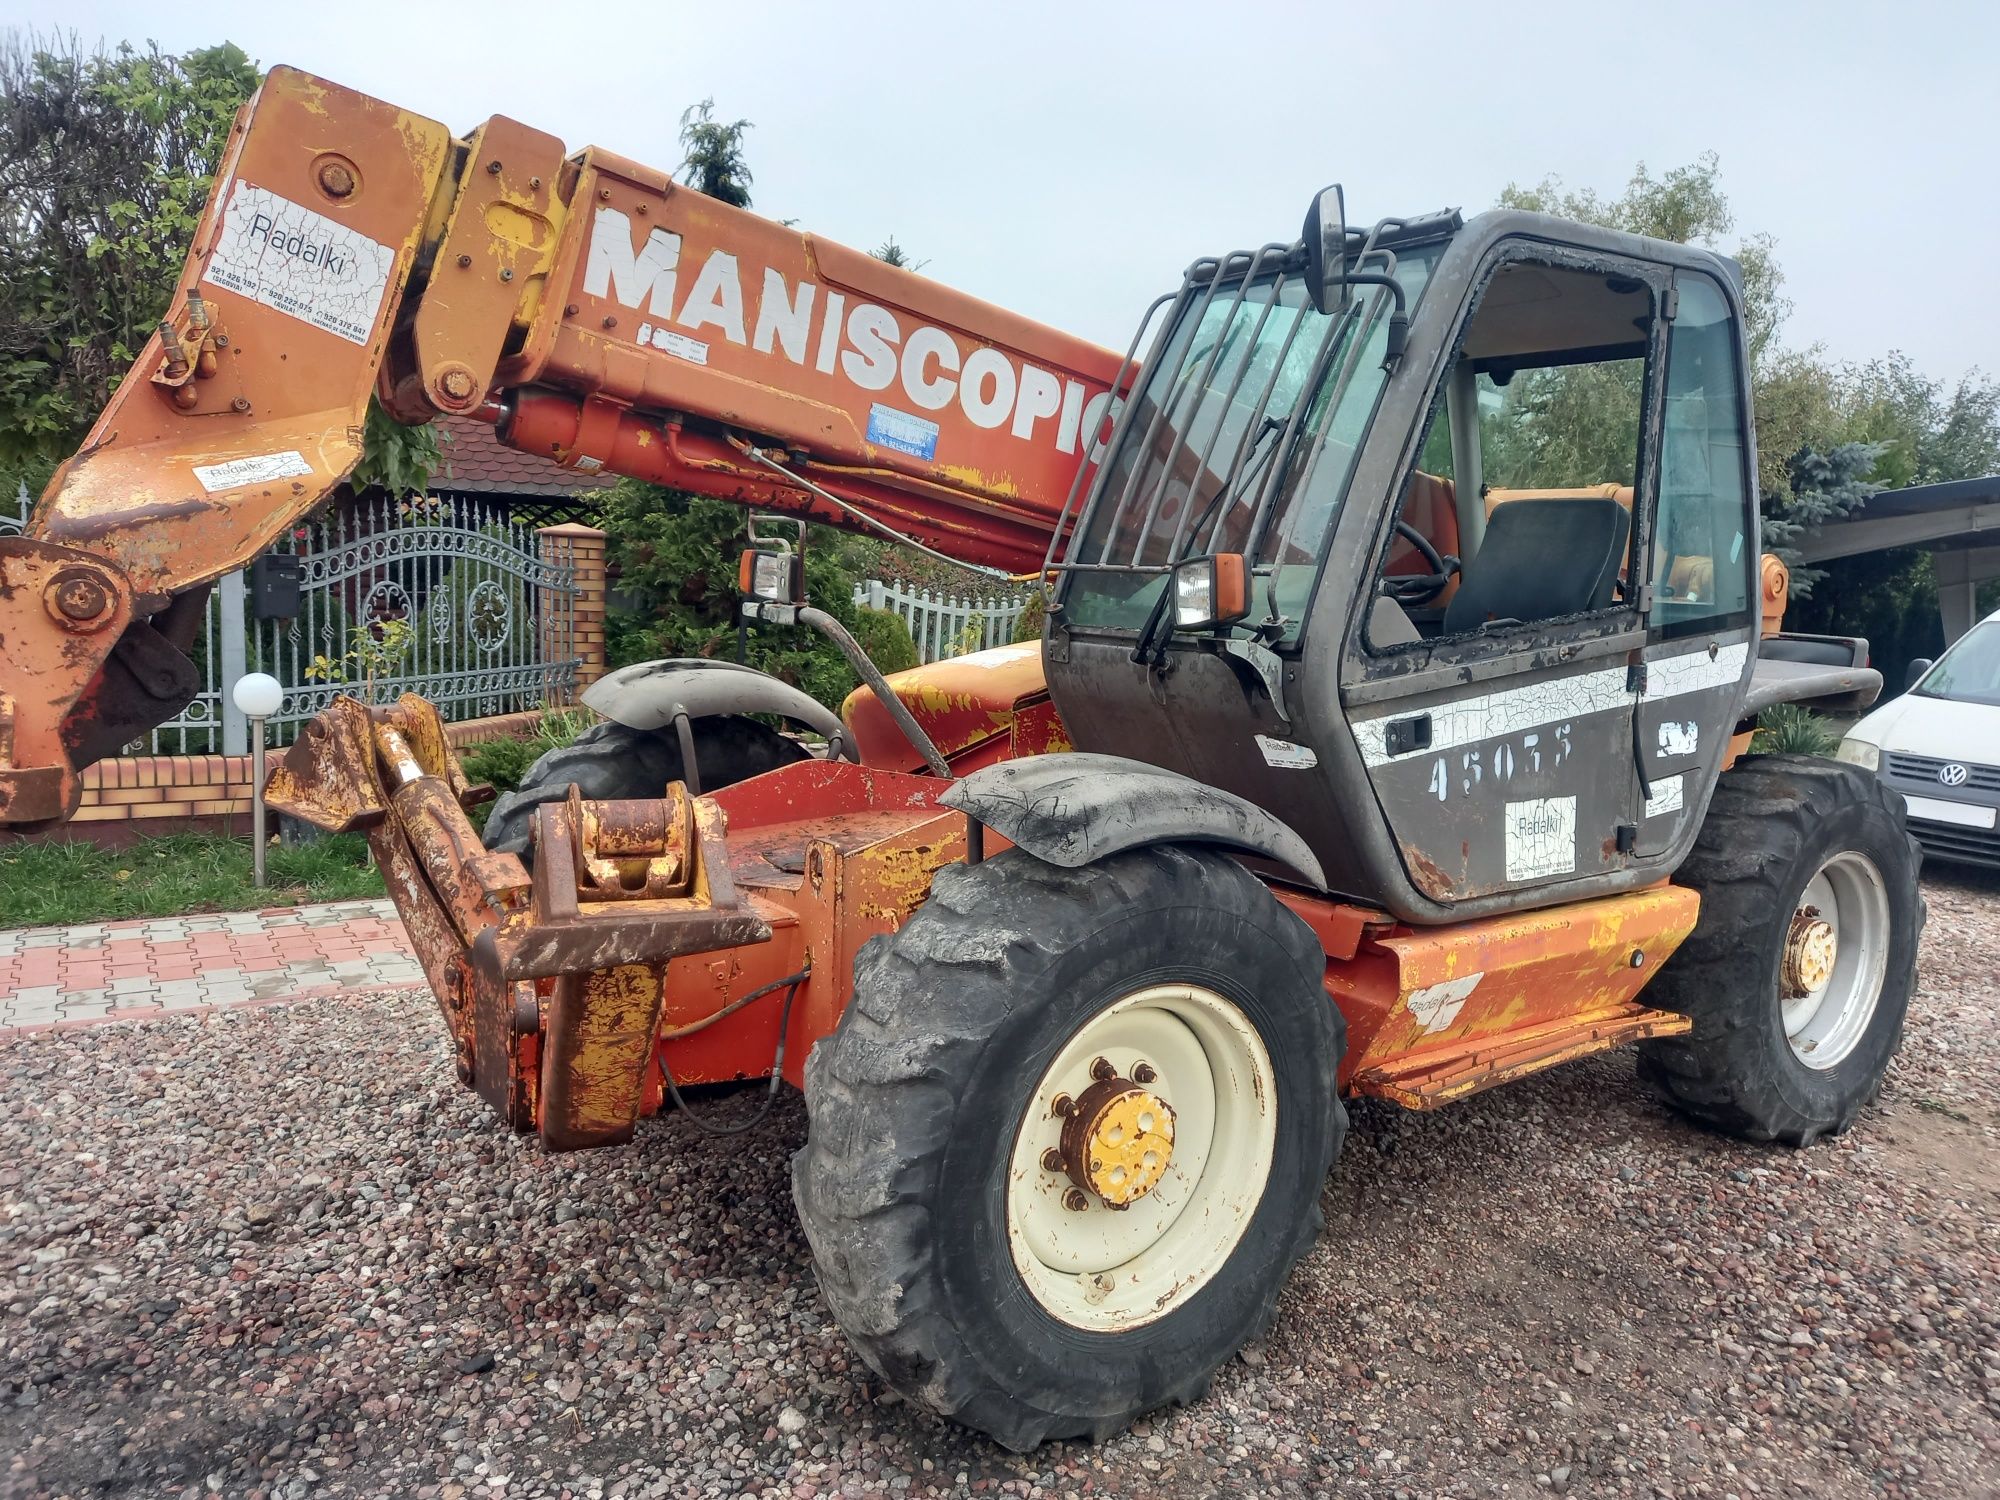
(1452, 571)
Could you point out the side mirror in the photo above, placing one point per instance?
(1210, 591)
(1917, 669)
(1326, 251)
(772, 577)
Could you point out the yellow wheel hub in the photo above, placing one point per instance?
(1118, 1141)
(1811, 946)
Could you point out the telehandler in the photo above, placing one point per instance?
(1386, 737)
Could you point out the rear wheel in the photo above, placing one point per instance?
(609, 762)
(1798, 973)
(1069, 1137)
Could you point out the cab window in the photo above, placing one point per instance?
(1700, 572)
(1520, 507)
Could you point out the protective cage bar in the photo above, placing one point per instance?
(1217, 366)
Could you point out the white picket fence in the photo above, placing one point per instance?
(939, 624)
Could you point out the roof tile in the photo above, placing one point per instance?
(476, 462)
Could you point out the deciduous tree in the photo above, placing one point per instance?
(106, 158)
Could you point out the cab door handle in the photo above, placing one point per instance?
(1401, 736)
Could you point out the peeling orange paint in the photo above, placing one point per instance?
(1440, 1002)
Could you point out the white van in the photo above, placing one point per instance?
(1939, 745)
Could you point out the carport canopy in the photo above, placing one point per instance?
(1958, 521)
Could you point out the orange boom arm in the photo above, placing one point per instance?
(602, 315)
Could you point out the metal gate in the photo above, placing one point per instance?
(492, 623)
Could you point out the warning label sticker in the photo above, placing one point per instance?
(284, 255)
(262, 469)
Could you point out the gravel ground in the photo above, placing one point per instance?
(274, 1252)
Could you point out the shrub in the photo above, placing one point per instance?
(1028, 627)
(505, 759)
(886, 638)
(676, 556)
(1794, 729)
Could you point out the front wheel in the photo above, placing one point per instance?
(1069, 1137)
(1798, 973)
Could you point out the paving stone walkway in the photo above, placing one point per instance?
(52, 977)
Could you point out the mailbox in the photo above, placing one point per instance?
(274, 586)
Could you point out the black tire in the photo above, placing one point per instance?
(1774, 822)
(915, 1100)
(609, 762)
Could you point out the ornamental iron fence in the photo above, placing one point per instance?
(490, 606)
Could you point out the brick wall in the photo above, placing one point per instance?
(152, 791)
(580, 548)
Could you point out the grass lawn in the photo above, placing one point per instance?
(47, 884)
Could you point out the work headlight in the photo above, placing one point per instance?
(1210, 591)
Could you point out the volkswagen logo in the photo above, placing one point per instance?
(1953, 774)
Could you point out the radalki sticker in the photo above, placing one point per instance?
(302, 263)
(1285, 756)
(262, 469)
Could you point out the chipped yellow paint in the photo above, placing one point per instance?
(975, 478)
(601, 1033)
(1128, 1146)
(1058, 742)
(889, 881)
(939, 700)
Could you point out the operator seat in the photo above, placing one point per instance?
(1541, 559)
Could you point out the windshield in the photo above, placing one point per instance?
(1193, 472)
(1970, 671)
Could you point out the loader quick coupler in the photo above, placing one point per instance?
(552, 985)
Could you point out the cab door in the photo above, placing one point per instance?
(1703, 604)
(1500, 722)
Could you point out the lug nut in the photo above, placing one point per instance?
(1062, 1104)
(1074, 1201)
(1101, 1069)
(1144, 1073)
(1052, 1160)
(336, 180)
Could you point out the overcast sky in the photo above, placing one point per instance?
(1068, 159)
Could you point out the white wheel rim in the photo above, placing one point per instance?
(1106, 1269)
(1824, 1025)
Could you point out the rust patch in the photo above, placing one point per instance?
(91, 528)
(1430, 878)
(1545, 980)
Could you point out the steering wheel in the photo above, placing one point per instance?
(1421, 588)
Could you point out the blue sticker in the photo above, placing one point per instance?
(890, 428)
